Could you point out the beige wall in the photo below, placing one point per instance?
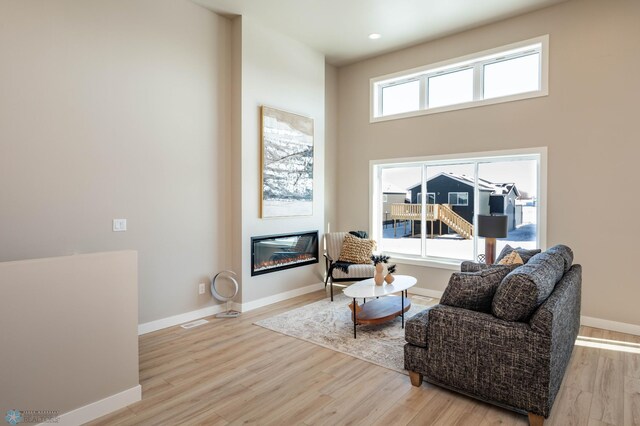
(236, 184)
(331, 148)
(69, 328)
(117, 109)
(282, 73)
(588, 122)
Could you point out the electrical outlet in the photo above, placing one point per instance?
(201, 288)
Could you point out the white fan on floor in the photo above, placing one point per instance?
(229, 276)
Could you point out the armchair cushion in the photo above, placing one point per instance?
(355, 272)
(474, 290)
(356, 250)
(469, 266)
(565, 252)
(525, 288)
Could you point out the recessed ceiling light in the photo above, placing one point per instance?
(374, 36)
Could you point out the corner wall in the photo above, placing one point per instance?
(69, 327)
(588, 122)
(118, 109)
(282, 73)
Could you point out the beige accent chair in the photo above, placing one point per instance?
(333, 244)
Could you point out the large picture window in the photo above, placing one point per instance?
(507, 73)
(440, 228)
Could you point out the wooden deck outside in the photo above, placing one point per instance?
(435, 212)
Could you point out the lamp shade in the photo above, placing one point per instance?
(492, 226)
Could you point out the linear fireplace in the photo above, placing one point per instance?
(277, 252)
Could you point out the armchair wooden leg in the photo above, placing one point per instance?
(535, 420)
(416, 378)
(331, 285)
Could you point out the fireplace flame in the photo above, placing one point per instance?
(289, 260)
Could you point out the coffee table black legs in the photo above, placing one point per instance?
(354, 317)
(402, 304)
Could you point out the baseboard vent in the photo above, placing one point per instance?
(194, 323)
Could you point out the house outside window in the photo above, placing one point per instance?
(439, 230)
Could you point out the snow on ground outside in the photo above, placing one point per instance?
(448, 246)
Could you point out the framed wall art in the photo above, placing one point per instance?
(287, 164)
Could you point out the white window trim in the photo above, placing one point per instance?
(458, 195)
(375, 174)
(411, 74)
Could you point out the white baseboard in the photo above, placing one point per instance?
(99, 408)
(255, 304)
(156, 325)
(621, 327)
(426, 292)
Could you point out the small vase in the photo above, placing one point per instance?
(389, 278)
(379, 276)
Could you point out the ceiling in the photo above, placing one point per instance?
(340, 28)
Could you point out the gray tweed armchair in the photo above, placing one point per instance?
(500, 334)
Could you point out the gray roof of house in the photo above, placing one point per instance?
(483, 184)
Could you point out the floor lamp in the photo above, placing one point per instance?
(491, 227)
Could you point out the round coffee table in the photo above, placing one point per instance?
(381, 309)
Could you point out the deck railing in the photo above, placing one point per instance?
(441, 212)
(403, 211)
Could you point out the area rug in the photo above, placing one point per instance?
(329, 324)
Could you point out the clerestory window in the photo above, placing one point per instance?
(508, 73)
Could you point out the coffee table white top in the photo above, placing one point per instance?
(368, 288)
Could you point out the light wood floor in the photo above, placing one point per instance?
(233, 372)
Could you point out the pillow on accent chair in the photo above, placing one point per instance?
(524, 253)
(474, 290)
(356, 250)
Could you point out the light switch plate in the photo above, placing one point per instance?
(119, 225)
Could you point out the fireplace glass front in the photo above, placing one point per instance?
(277, 252)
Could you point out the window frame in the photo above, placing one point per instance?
(458, 198)
(477, 61)
(375, 196)
(399, 83)
(428, 77)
